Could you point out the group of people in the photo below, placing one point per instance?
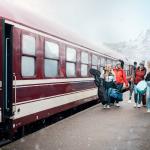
(114, 78)
(117, 77)
(140, 73)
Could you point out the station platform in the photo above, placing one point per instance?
(124, 128)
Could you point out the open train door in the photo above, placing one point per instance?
(6, 75)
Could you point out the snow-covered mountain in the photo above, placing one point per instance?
(137, 49)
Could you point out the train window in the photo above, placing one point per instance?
(28, 56)
(84, 70)
(51, 60)
(71, 54)
(102, 70)
(28, 66)
(84, 64)
(28, 45)
(94, 61)
(99, 61)
(109, 61)
(94, 67)
(71, 62)
(102, 61)
(70, 69)
(51, 68)
(51, 50)
(84, 57)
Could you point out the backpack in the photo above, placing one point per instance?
(141, 87)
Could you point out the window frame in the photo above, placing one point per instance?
(68, 61)
(103, 64)
(83, 63)
(92, 61)
(57, 59)
(28, 55)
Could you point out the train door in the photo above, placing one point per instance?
(7, 79)
(1, 43)
(6, 76)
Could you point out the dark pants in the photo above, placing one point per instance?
(108, 97)
(131, 90)
(119, 88)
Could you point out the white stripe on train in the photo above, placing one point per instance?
(41, 105)
(36, 82)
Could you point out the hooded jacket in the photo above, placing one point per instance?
(120, 76)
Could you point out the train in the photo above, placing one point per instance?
(44, 70)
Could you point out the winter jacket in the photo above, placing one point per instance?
(120, 76)
(139, 75)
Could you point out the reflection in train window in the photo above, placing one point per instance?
(51, 60)
(84, 64)
(70, 62)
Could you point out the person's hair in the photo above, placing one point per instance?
(135, 63)
(122, 63)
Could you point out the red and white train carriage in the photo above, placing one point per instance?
(43, 70)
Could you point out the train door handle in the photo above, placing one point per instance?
(6, 98)
(15, 94)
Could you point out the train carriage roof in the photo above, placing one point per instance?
(21, 16)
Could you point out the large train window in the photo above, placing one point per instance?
(28, 56)
(51, 59)
(109, 61)
(103, 62)
(28, 45)
(84, 64)
(94, 61)
(70, 62)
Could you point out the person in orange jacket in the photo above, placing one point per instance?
(120, 78)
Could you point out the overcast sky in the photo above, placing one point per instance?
(97, 20)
